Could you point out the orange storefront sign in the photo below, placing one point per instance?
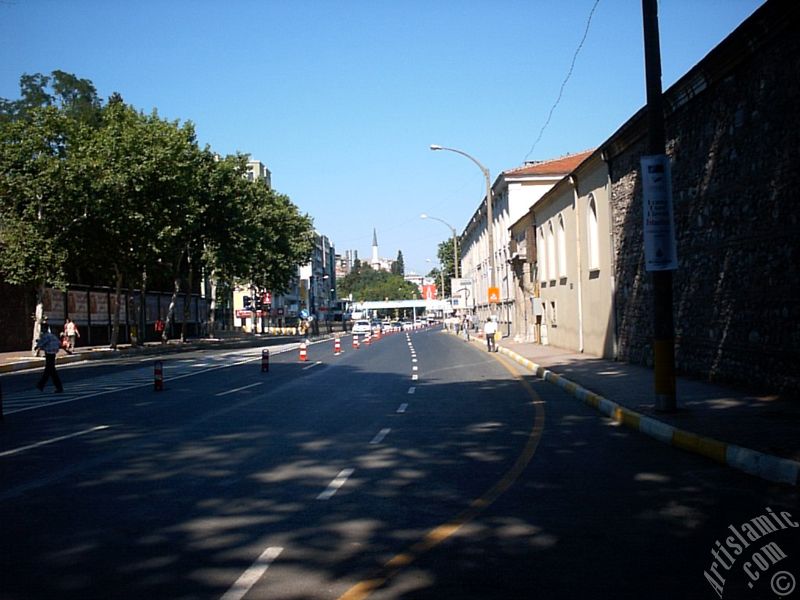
(494, 295)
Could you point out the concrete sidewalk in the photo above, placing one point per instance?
(23, 360)
(755, 432)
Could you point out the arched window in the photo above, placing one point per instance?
(593, 234)
(551, 252)
(562, 248)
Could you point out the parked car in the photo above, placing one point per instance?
(362, 326)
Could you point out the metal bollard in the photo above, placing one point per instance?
(158, 376)
(265, 361)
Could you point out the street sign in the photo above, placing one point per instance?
(462, 292)
(494, 295)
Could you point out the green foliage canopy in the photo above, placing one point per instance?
(365, 284)
(95, 192)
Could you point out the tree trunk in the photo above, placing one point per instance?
(176, 288)
(38, 320)
(142, 317)
(117, 304)
(187, 298)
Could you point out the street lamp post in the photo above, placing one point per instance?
(489, 216)
(455, 240)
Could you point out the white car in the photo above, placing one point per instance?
(362, 326)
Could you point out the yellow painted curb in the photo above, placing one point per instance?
(708, 447)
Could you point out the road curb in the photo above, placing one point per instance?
(766, 466)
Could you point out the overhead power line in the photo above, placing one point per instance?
(566, 79)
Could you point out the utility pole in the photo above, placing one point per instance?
(659, 234)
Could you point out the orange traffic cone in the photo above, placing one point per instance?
(303, 353)
(337, 346)
(355, 341)
(367, 339)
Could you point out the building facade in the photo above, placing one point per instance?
(513, 192)
(732, 129)
(572, 278)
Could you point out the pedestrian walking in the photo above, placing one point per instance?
(465, 327)
(51, 345)
(159, 327)
(490, 330)
(71, 334)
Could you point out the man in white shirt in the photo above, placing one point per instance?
(490, 329)
(51, 345)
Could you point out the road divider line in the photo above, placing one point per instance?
(379, 436)
(312, 365)
(335, 485)
(251, 576)
(402, 408)
(412, 389)
(239, 389)
(53, 440)
(437, 535)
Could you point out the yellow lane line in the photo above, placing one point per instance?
(439, 534)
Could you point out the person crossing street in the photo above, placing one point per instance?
(51, 345)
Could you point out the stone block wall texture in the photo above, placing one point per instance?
(735, 154)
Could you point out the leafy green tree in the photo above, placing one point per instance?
(368, 284)
(37, 201)
(98, 193)
(76, 98)
(399, 267)
(35, 206)
(283, 239)
(140, 175)
(445, 255)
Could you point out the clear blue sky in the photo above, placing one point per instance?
(341, 99)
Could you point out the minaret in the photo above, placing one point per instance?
(376, 262)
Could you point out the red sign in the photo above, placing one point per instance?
(429, 292)
(248, 314)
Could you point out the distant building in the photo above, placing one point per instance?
(256, 170)
(513, 193)
(417, 280)
(377, 263)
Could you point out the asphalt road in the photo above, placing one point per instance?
(419, 467)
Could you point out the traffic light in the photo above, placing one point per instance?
(259, 303)
(247, 301)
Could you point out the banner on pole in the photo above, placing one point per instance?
(660, 253)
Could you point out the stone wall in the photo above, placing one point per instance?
(734, 151)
